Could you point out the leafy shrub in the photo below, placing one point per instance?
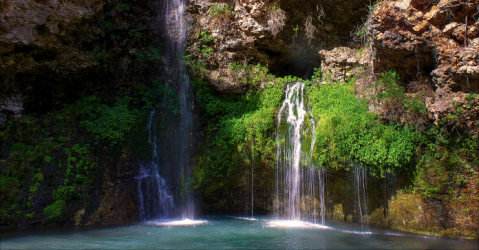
(394, 102)
(54, 210)
(48, 159)
(249, 74)
(199, 57)
(347, 131)
(111, 123)
(221, 11)
(220, 14)
(30, 215)
(239, 128)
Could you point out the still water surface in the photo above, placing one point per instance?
(227, 232)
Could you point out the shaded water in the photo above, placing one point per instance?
(226, 232)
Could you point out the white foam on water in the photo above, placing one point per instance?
(357, 232)
(174, 223)
(245, 218)
(294, 224)
(395, 234)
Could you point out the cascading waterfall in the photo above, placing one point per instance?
(181, 151)
(157, 196)
(154, 200)
(298, 181)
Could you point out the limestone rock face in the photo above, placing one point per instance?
(44, 27)
(343, 62)
(436, 41)
(52, 51)
(39, 36)
(284, 35)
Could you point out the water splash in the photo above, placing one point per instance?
(294, 224)
(176, 223)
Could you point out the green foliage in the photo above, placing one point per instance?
(347, 131)
(249, 74)
(221, 11)
(373, 6)
(33, 189)
(239, 127)
(275, 7)
(122, 6)
(393, 95)
(110, 123)
(472, 96)
(205, 37)
(48, 159)
(30, 215)
(159, 95)
(149, 54)
(446, 162)
(54, 210)
(9, 189)
(200, 56)
(18, 147)
(361, 32)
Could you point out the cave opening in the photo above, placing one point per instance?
(301, 65)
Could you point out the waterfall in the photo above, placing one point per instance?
(171, 195)
(154, 200)
(298, 181)
(360, 187)
(181, 148)
(252, 180)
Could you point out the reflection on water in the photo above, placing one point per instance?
(226, 232)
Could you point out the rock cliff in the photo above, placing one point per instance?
(433, 44)
(285, 36)
(54, 53)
